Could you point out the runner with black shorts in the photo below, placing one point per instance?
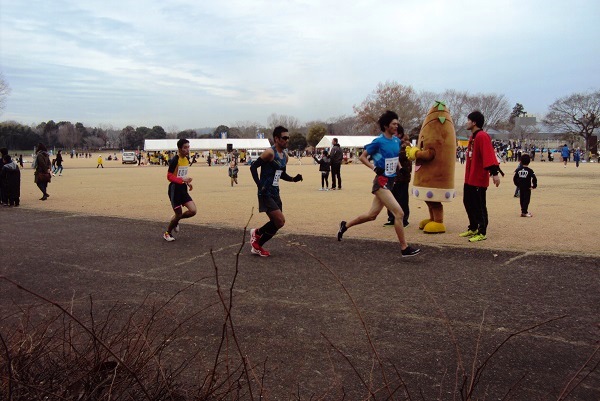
(384, 151)
(272, 163)
(179, 182)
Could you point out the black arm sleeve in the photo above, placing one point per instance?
(254, 170)
(494, 170)
(285, 176)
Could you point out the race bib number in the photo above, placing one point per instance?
(182, 171)
(391, 164)
(276, 178)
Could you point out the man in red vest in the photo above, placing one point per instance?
(480, 164)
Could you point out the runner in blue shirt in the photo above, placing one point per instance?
(384, 151)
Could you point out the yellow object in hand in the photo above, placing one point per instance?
(411, 152)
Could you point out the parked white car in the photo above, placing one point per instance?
(128, 157)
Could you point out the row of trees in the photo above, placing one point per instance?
(576, 114)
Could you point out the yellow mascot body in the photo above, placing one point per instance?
(435, 158)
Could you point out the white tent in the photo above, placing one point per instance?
(345, 141)
(207, 144)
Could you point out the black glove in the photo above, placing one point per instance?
(297, 178)
(379, 171)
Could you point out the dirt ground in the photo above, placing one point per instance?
(565, 205)
(529, 271)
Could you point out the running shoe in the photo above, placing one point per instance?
(477, 238)
(259, 250)
(168, 237)
(526, 215)
(388, 224)
(410, 251)
(342, 230)
(176, 229)
(254, 237)
(468, 233)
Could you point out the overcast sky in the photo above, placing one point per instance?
(198, 63)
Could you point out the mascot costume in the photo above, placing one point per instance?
(435, 159)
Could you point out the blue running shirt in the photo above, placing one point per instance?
(385, 153)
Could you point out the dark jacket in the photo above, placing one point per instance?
(525, 178)
(10, 179)
(42, 166)
(336, 154)
(404, 166)
(42, 162)
(324, 163)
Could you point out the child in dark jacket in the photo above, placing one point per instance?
(525, 180)
(10, 180)
(324, 166)
(233, 171)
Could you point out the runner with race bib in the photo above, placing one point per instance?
(384, 151)
(272, 163)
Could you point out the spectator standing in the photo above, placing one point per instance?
(400, 188)
(577, 157)
(337, 156)
(42, 170)
(10, 181)
(100, 161)
(3, 152)
(481, 163)
(565, 154)
(324, 165)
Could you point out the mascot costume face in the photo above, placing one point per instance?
(434, 156)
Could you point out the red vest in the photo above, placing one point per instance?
(480, 154)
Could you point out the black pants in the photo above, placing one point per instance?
(475, 205)
(400, 192)
(42, 186)
(525, 198)
(335, 173)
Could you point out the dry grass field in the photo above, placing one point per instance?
(565, 208)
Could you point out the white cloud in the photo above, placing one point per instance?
(190, 63)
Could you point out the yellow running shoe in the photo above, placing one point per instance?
(477, 238)
(468, 233)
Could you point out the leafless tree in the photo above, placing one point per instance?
(247, 129)
(577, 114)
(494, 107)
(4, 92)
(172, 131)
(346, 125)
(390, 96)
(290, 122)
(113, 139)
(68, 136)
